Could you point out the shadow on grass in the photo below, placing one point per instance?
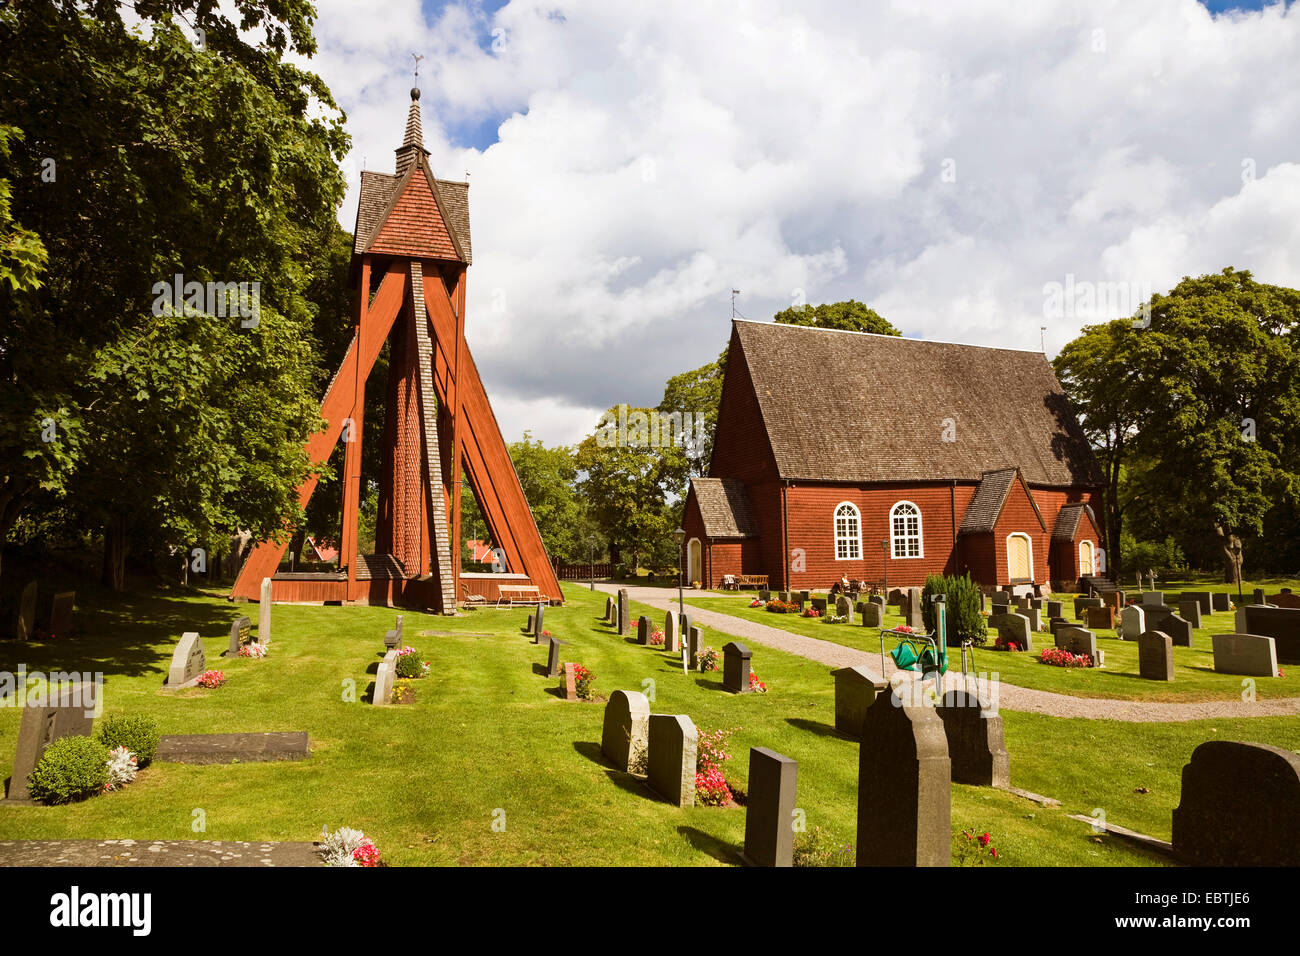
(707, 843)
(541, 670)
(592, 752)
(708, 683)
(819, 728)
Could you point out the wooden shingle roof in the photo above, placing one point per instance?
(1067, 521)
(858, 407)
(725, 508)
(377, 199)
(984, 508)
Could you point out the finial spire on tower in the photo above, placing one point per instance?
(413, 140)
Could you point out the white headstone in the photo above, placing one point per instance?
(188, 661)
(264, 614)
(1132, 622)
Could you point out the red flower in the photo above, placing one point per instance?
(984, 840)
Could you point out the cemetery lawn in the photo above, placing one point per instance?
(488, 739)
(1194, 675)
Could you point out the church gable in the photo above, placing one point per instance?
(415, 227)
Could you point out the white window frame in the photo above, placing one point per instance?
(1092, 545)
(1029, 538)
(896, 539)
(853, 539)
(699, 576)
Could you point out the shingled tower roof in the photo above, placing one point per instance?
(413, 141)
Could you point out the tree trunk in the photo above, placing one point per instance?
(114, 573)
(1231, 545)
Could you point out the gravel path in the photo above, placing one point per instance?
(1009, 696)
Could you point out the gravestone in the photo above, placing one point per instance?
(671, 757)
(553, 657)
(872, 615)
(1114, 599)
(1280, 623)
(1220, 601)
(1132, 622)
(878, 599)
(643, 630)
(63, 716)
(611, 611)
(1035, 616)
(1082, 604)
(975, 746)
(856, 689)
(1240, 806)
(1178, 629)
(391, 640)
(1251, 655)
(684, 624)
(1285, 599)
(264, 614)
(1153, 597)
(1055, 609)
(769, 808)
(913, 616)
(540, 636)
(623, 613)
(1203, 599)
(188, 662)
(569, 683)
(624, 734)
(539, 619)
(1013, 627)
(529, 628)
(694, 644)
(819, 603)
(843, 607)
(1156, 656)
(385, 677)
(672, 633)
(26, 621)
(61, 613)
(240, 629)
(735, 667)
(999, 604)
(765, 596)
(1078, 640)
(1101, 618)
(904, 786)
(1259, 597)
(1190, 611)
(398, 627)
(895, 598)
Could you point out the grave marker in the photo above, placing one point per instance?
(264, 614)
(1240, 806)
(625, 732)
(643, 630)
(904, 786)
(843, 607)
(25, 624)
(1078, 640)
(1203, 599)
(769, 808)
(975, 746)
(63, 716)
(672, 742)
(61, 613)
(1176, 628)
(553, 657)
(188, 662)
(914, 618)
(623, 612)
(569, 683)
(1220, 601)
(1132, 622)
(385, 676)
(856, 689)
(1156, 656)
(1055, 609)
(735, 667)
(1153, 597)
(1013, 627)
(1100, 617)
(1190, 611)
(240, 630)
(671, 626)
(1280, 623)
(872, 615)
(695, 644)
(1251, 655)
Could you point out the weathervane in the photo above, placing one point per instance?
(417, 57)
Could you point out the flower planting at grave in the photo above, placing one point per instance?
(409, 665)
(708, 660)
(756, 685)
(135, 732)
(777, 606)
(254, 650)
(811, 612)
(711, 787)
(403, 692)
(348, 847)
(122, 768)
(1060, 657)
(212, 679)
(834, 619)
(71, 769)
(1003, 644)
(583, 678)
(972, 849)
(656, 637)
(756, 603)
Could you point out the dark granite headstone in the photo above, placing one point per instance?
(611, 611)
(1190, 611)
(843, 606)
(769, 808)
(1155, 656)
(765, 596)
(1240, 806)
(1177, 628)
(61, 613)
(1081, 603)
(975, 746)
(904, 786)
(539, 619)
(1013, 627)
(1100, 618)
(855, 691)
(694, 645)
(872, 615)
(67, 715)
(624, 735)
(1204, 600)
(1259, 597)
(553, 657)
(1077, 640)
(25, 623)
(1280, 623)
(1220, 601)
(623, 613)
(1250, 655)
(818, 603)
(643, 630)
(735, 667)
(671, 758)
(1055, 609)
(240, 630)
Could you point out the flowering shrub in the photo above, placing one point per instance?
(905, 629)
(403, 693)
(656, 637)
(409, 664)
(812, 612)
(711, 752)
(582, 679)
(711, 788)
(121, 765)
(254, 650)
(708, 660)
(1003, 644)
(968, 849)
(348, 847)
(756, 603)
(777, 606)
(756, 685)
(1060, 657)
(212, 679)
(834, 619)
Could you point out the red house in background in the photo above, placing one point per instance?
(883, 458)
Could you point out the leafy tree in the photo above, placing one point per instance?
(850, 316)
(548, 476)
(216, 160)
(699, 394)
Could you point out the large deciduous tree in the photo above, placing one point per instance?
(850, 316)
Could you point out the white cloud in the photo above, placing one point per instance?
(654, 156)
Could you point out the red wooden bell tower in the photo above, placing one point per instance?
(410, 258)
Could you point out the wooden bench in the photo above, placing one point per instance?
(512, 594)
(472, 600)
(758, 581)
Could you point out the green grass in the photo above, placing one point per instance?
(1194, 676)
(487, 733)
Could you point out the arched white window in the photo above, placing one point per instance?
(1086, 549)
(848, 532)
(1020, 557)
(905, 531)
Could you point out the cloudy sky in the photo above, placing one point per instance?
(944, 162)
